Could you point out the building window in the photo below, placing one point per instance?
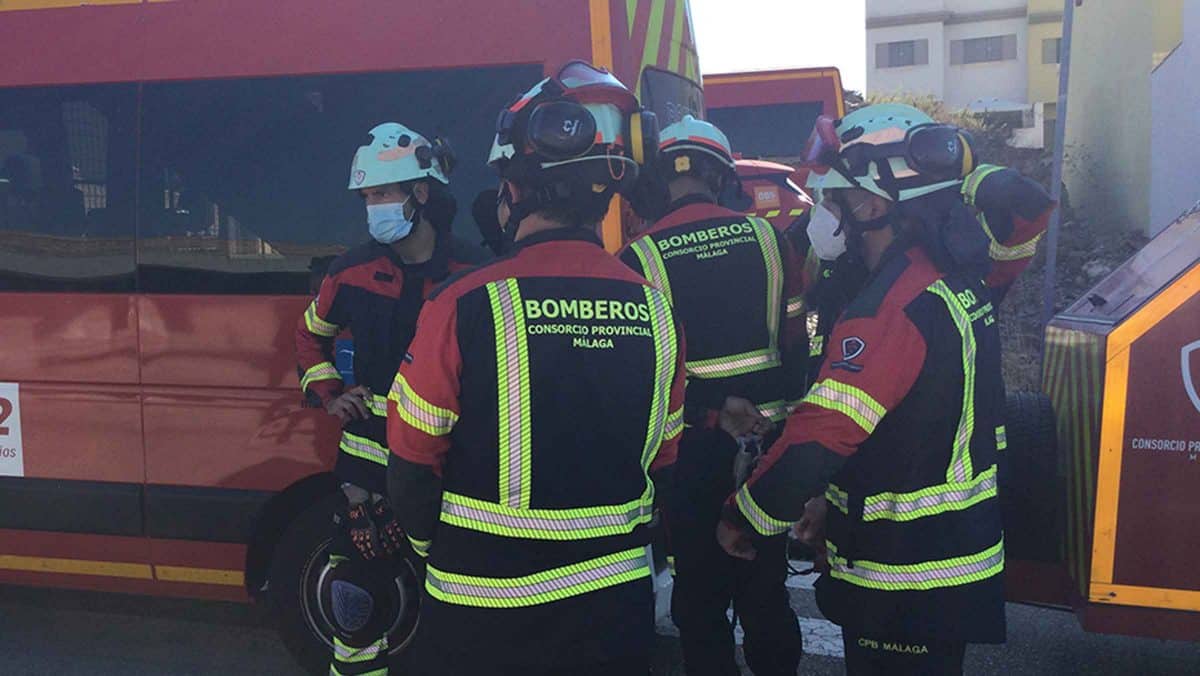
(903, 53)
(1052, 50)
(981, 50)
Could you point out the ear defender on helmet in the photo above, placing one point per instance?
(643, 136)
(939, 151)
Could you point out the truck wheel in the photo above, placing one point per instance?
(297, 577)
(1031, 487)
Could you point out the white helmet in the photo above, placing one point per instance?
(690, 134)
(398, 154)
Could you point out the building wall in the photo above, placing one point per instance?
(1109, 112)
(1003, 80)
(1175, 127)
(1043, 78)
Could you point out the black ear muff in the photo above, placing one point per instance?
(561, 130)
(643, 137)
(937, 151)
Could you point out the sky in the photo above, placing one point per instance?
(739, 35)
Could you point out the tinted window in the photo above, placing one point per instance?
(670, 96)
(67, 188)
(776, 130)
(244, 182)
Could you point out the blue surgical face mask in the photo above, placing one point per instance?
(387, 222)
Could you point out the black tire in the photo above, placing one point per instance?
(294, 578)
(1031, 486)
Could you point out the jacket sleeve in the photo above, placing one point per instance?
(794, 324)
(423, 408)
(1014, 211)
(669, 449)
(881, 358)
(315, 334)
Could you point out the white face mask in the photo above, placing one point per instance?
(387, 222)
(825, 233)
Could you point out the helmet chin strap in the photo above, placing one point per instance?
(855, 228)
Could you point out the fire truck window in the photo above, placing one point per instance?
(67, 188)
(671, 96)
(244, 183)
(777, 131)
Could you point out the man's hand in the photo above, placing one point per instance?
(811, 528)
(740, 417)
(735, 542)
(351, 405)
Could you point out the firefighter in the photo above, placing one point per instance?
(540, 401)
(902, 428)
(735, 284)
(375, 291)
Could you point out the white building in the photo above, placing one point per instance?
(1175, 127)
(968, 53)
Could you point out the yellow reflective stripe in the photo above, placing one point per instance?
(795, 307)
(797, 212)
(733, 365)
(350, 655)
(973, 181)
(316, 325)
(578, 523)
(674, 425)
(999, 252)
(775, 411)
(773, 213)
(655, 270)
(364, 448)
(512, 376)
(538, 588)
(1001, 438)
(377, 404)
(666, 356)
(323, 371)
(773, 260)
(940, 499)
(421, 547)
(848, 400)
(419, 413)
(762, 522)
(954, 572)
(817, 346)
(838, 498)
(960, 469)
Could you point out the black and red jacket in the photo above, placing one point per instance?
(540, 394)
(910, 394)
(374, 295)
(737, 286)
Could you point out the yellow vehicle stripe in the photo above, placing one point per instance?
(229, 578)
(135, 571)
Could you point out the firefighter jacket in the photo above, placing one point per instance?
(910, 393)
(736, 284)
(541, 392)
(1014, 211)
(376, 296)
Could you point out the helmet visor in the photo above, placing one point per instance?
(589, 84)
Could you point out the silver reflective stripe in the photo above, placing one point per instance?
(345, 653)
(773, 260)
(722, 367)
(364, 448)
(512, 364)
(936, 500)
(838, 498)
(919, 576)
(665, 359)
(546, 524)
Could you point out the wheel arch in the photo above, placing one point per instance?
(273, 520)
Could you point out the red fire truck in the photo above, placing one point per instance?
(169, 171)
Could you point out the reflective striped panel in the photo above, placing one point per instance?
(316, 325)
(414, 410)
(734, 365)
(665, 357)
(817, 346)
(421, 547)
(364, 448)
(953, 572)
(351, 655)
(512, 371)
(322, 371)
(772, 213)
(652, 263)
(940, 499)
(773, 261)
(674, 425)
(971, 185)
(546, 524)
(1001, 438)
(797, 212)
(848, 400)
(838, 498)
(775, 411)
(960, 461)
(539, 588)
(795, 307)
(762, 522)
(377, 404)
(1016, 252)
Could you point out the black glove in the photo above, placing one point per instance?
(362, 532)
(387, 529)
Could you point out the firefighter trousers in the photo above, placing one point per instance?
(871, 656)
(357, 652)
(707, 580)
